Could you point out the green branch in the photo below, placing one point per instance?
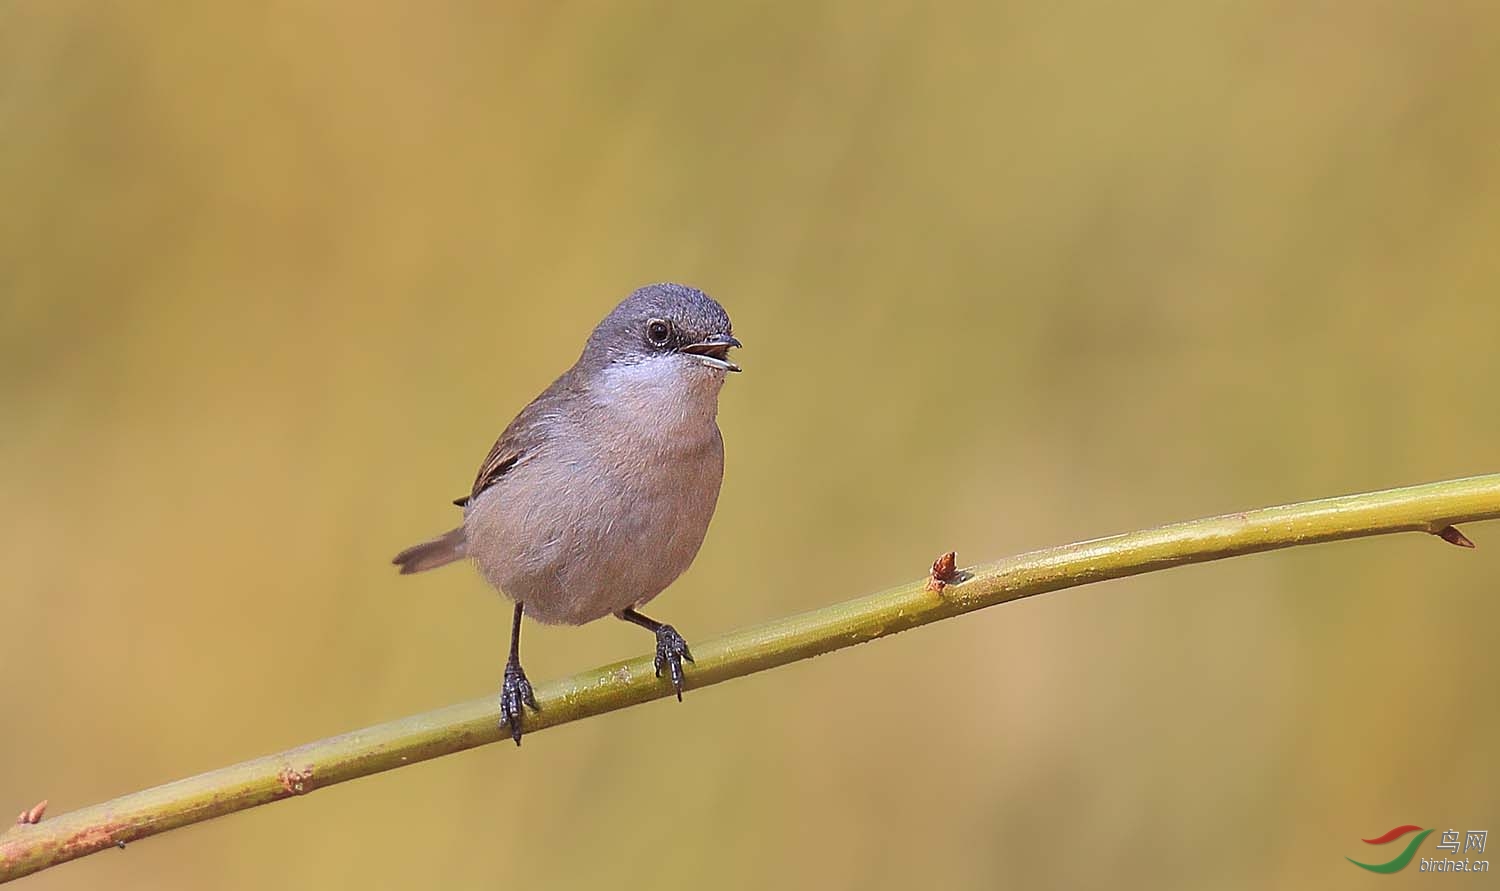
(1432, 508)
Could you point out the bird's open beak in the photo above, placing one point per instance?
(713, 351)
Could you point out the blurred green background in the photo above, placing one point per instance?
(1008, 276)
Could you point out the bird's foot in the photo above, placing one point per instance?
(671, 649)
(515, 694)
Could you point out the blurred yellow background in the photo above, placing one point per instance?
(1010, 275)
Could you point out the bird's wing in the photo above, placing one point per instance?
(527, 431)
(502, 457)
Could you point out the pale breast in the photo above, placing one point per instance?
(615, 505)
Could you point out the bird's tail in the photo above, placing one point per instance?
(440, 551)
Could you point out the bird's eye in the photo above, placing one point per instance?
(659, 331)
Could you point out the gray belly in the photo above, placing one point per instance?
(576, 538)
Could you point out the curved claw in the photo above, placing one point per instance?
(671, 649)
(515, 695)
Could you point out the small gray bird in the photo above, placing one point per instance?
(598, 495)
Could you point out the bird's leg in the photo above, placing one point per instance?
(516, 691)
(671, 649)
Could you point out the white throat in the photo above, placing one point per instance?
(671, 395)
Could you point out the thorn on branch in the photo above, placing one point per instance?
(33, 815)
(1452, 536)
(943, 572)
(294, 781)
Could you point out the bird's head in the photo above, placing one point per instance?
(673, 328)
